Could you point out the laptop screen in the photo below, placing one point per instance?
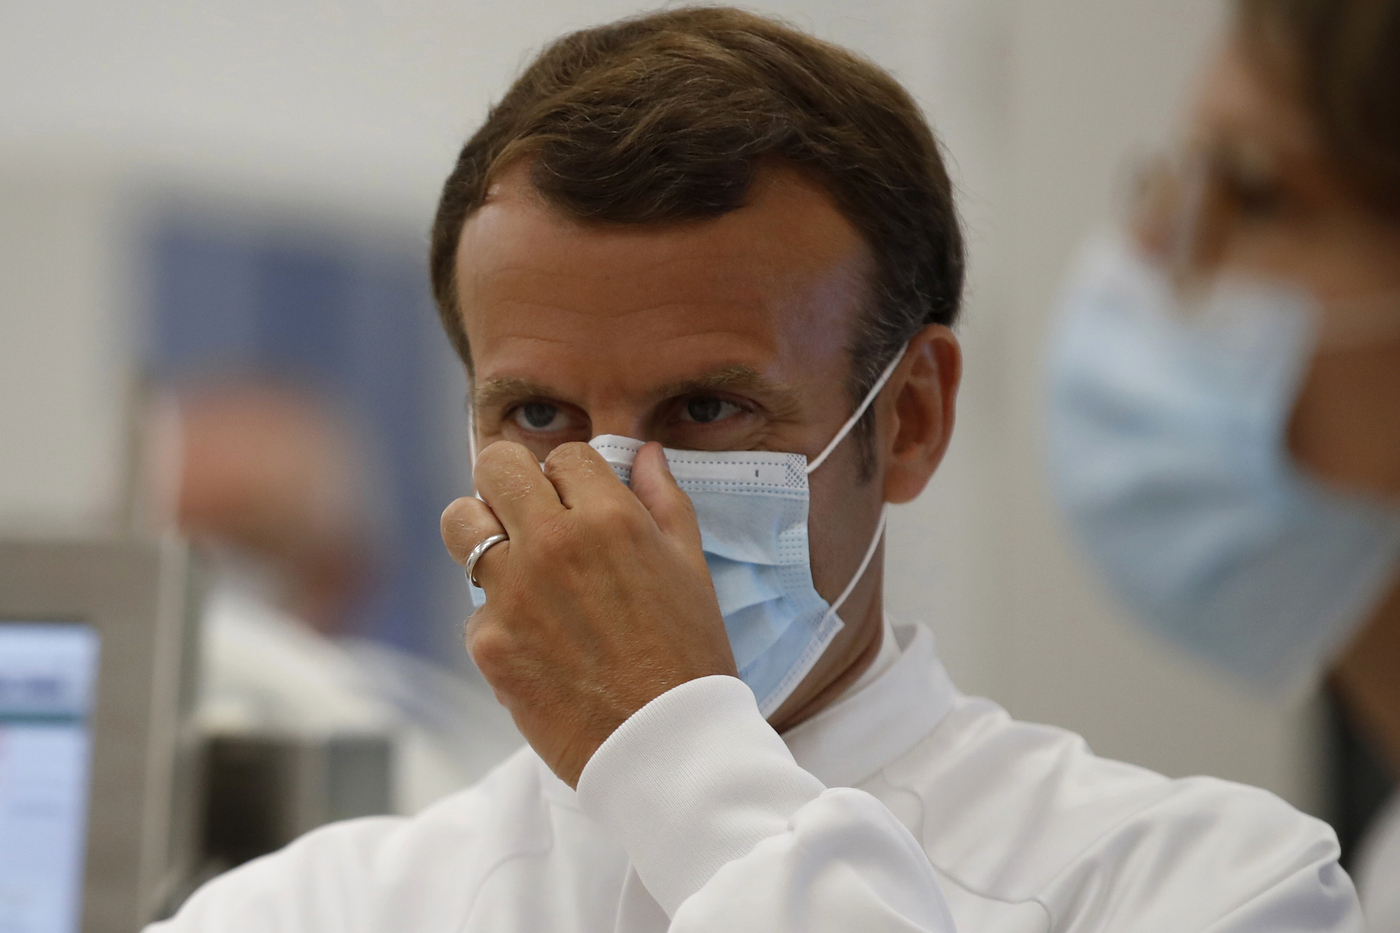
(47, 680)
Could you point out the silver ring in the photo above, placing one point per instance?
(475, 555)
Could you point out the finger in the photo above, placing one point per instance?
(466, 523)
(668, 504)
(508, 478)
(580, 475)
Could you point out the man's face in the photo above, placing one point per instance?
(729, 334)
(721, 335)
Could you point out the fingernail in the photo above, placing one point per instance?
(665, 464)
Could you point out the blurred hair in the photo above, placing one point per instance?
(1343, 56)
(667, 117)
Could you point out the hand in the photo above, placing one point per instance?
(1180, 215)
(599, 602)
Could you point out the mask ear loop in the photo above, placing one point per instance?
(865, 562)
(879, 535)
(860, 410)
(471, 433)
(471, 445)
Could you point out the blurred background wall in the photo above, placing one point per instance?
(340, 119)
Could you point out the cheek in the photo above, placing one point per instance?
(1337, 254)
(1345, 428)
(843, 516)
(1365, 255)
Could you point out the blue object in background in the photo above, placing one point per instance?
(350, 317)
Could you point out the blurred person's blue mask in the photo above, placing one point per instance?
(1168, 452)
(752, 509)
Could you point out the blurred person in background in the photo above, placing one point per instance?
(268, 469)
(308, 440)
(705, 231)
(275, 485)
(316, 337)
(1224, 421)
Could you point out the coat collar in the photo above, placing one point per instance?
(851, 740)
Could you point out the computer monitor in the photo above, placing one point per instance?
(47, 674)
(96, 758)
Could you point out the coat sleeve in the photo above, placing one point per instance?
(321, 883)
(728, 833)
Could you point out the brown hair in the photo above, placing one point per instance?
(1343, 56)
(666, 118)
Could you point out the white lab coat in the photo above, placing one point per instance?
(902, 807)
(1378, 871)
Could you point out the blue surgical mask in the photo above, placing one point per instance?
(1168, 452)
(752, 508)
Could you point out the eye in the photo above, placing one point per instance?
(1251, 183)
(541, 417)
(1257, 198)
(707, 409)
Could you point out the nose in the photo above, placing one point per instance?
(623, 422)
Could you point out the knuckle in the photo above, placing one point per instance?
(459, 527)
(552, 541)
(500, 455)
(568, 454)
(618, 520)
(489, 646)
(612, 513)
(489, 459)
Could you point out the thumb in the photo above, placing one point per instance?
(668, 504)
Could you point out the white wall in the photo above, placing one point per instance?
(364, 102)
(62, 361)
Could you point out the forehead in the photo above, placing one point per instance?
(1242, 103)
(777, 282)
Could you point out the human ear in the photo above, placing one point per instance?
(917, 418)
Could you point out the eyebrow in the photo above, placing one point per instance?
(495, 392)
(737, 378)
